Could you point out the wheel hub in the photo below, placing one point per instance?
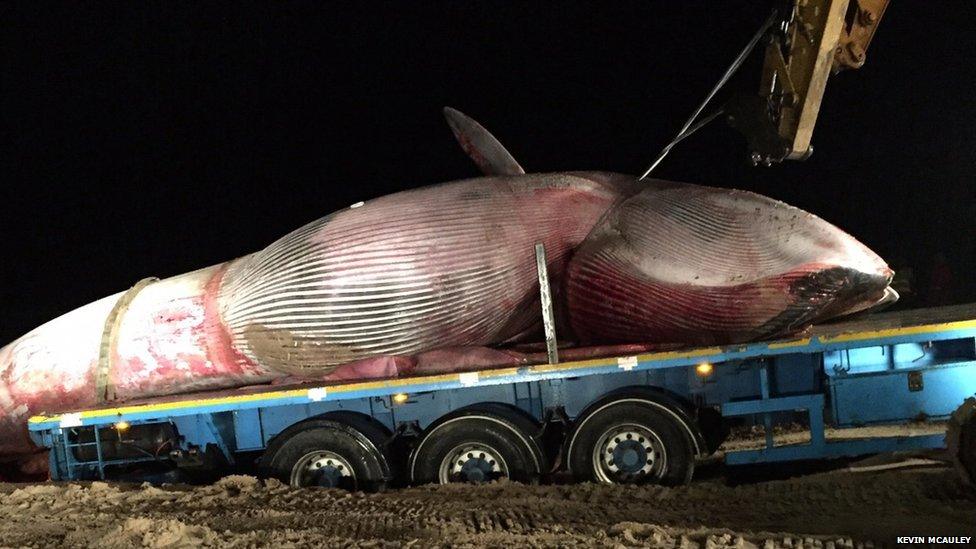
(629, 453)
(472, 462)
(630, 456)
(323, 468)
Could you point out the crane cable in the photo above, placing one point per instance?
(689, 128)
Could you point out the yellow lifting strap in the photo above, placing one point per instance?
(104, 384)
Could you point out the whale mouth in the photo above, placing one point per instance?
(890, 297)
(855, 292)
(826, 294)
(887, 299)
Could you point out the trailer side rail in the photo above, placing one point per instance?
(649, 361)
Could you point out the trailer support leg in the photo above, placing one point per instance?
(545, 295)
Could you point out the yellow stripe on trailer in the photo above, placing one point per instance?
(791, 343)
(895, 332)
(269, 395)
(489, 374)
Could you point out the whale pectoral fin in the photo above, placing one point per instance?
(486, 151)
(377, 367)
(449, 360)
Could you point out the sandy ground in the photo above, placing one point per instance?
(830, 510)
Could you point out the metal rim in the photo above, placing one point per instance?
(629, 453)
(696, 437)
(472, 462)
(323, 468)
(432, 435)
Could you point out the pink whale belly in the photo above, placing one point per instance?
(429, 279)
(440, 267)
(446, 266)
(689, 264)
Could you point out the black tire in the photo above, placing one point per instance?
(650, 445)
(486, 443)
(524, 422)
(961, 440)
(329, 452)
(967, 455)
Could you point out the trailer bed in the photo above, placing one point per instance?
(840, 380)
(878, 329)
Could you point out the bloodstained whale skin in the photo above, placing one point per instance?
(700, 265)
(450, 265)
(429, 279)
(443, 266)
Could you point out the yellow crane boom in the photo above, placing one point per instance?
(816, 37)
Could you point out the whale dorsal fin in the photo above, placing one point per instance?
(481, 146)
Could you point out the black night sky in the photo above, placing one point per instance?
(151, 141)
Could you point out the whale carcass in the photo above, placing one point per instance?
(443, 277)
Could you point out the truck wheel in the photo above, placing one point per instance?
(631, 441)
(331, 454)
(478, 445)
(961, 440)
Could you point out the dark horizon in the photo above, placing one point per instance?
(155, 141)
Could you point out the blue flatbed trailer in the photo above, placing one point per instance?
(647, 417)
